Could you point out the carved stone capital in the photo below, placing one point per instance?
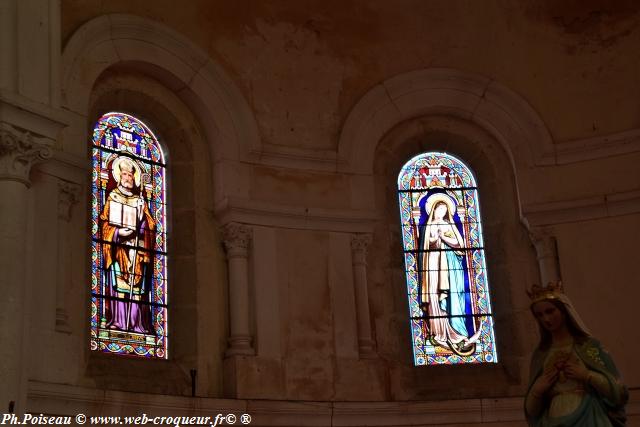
(360, 242)
(236, 238)
(359, 245)
(544, 242)
(68, 195)
(19, 151)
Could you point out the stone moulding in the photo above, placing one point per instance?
(50, 398)
(585, 209)
(47, 398)
(39, 119)
(585, 149)
(296, 158)
(295, 217)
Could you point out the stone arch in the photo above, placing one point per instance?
(171, 58)
(510, 258)
(443, 91)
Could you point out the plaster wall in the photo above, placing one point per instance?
(303, 66)
(610, 315)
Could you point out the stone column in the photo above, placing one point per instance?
(547, 254)
(237, 238)
(19, 150)
(30, 123)
(359, 245)
(68, 195)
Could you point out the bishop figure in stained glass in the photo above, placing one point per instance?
(128, 230)
(128, 251)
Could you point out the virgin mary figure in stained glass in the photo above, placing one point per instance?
(446, 275)
(443, 277)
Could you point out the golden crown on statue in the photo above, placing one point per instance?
(553, 290)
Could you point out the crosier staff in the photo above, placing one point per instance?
(132, 267)
(132, 276)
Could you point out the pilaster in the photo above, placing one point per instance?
(19, 151)
(68, 196)
(547, 253)
(237, 239)
(359, 246)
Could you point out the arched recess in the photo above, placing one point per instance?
(174, 60)
(510, 258)
(502, 139)
(137, 66)
(444, 91)
(196, 263)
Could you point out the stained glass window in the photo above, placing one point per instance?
(128, 229)
(446, 273)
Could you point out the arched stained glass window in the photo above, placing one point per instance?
(449, 305)
(129, 258)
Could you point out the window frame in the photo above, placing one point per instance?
(141, 147)
(413, 187)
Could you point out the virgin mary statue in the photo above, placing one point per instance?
(442, 278)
